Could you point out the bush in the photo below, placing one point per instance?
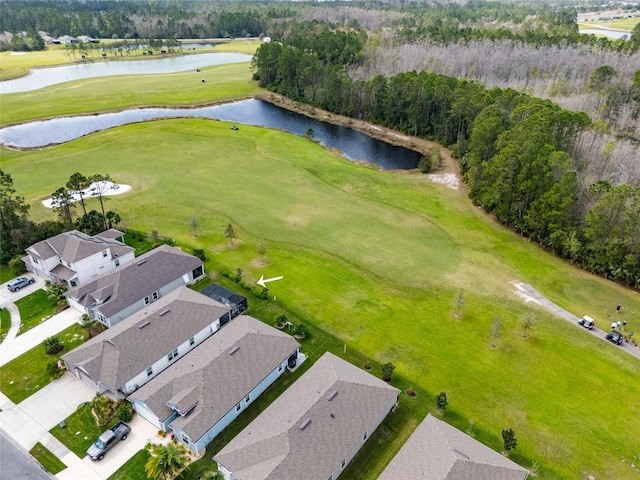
(54, 370)
(300, 330)
(16, 264)
(124, 412)
(425, 164)
(52, 345)
(387, 371)
(199, 252)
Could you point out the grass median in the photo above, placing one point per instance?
(377, 261)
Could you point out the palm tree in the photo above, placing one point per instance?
(165, 461)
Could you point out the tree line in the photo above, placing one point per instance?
(517, 152)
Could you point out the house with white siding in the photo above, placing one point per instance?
(201, 394)
(116, 295)
(75, 258)
(314, 429)
(123, 358)
(438, 451)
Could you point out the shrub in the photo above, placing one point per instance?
(54, 370)
(281, 321)
(425, 164)
(124, 412)
(300, 330)
(53, 345)
(441, 401)
(199, 252)
(387, 371)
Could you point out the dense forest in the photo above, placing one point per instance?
(544, 120)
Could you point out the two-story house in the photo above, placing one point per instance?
(203, 392)
(112, 297)
(74, 258)
(125, 357)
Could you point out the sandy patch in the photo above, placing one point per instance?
(18, 53)
(113, 189)
(450, 180)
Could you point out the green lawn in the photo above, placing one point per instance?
(7, 273)
(35, 309)
(5, 323)
(47, 459)
(80, 430)
(619, 24)
(25, 375)
(376, 261)
(134, 468)
(119, 92)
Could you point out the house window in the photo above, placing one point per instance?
(155, 295)
(280, 368)
(198, 272)
(117, 263)
(104, 253)
(247, 399)
(192, 341)
(35, 260)
(238, 407)
(185, 439)
(149, 371)
(73, 283)
(147, 300)
(173, 354)
(364, 437)
(344, 462)
(68, 264)
(101, 317)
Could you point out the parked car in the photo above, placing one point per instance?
(107, 440)
(18, 283)
(586, 322)
(615, 337)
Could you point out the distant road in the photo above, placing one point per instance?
(16, 464)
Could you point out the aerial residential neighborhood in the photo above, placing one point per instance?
(333, 240)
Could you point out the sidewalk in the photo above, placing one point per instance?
(14, 347)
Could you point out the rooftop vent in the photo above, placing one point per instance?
(141, 262)
(332, 395)
(234, 350)
(142, 325)
(305, 423)
(164, 312)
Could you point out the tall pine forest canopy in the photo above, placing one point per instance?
(543, 120)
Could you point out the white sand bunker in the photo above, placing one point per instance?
(18, 53)
(449, 179)
(107, 188)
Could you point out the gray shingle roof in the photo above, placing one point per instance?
(132, 282)
(74, 246)
(120, 353)
(438, 451)
(215, 379)
(111, 234)
(274, 447)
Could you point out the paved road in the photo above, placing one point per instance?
(570, 317)
(16, 464)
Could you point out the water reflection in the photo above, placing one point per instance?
(353, 144)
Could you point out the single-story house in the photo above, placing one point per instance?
(74, 258)
(118, 294)
(123, 358)
(236, 302)
(314, 429)
(202, 393)
(438, 451)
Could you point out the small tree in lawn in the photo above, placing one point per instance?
(261, 248)
(230, 233)
(509, 439)
(194, 225)
(166, 461)
(458, 304)
(387, 371)
(441, 401)
(496, 330)
(527, 324)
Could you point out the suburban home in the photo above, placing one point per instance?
(74, 258)
(438, 451)
(120, 293)
(125, 357)
(314, 429)
(202, 393)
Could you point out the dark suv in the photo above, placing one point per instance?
(18, 283)
(615, 337)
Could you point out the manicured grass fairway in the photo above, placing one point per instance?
(47, 459)
(619, 24)
(33, 309)
(377, 260)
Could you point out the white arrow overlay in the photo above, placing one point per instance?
(263, 280)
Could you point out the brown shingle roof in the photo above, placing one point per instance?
(274, 446)
(438, 451)
(214, 378)
(132, 282)
(117, 355)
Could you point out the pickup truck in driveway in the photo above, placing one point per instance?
(107, 440)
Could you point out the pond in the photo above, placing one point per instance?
(44, 77)
(353, 144)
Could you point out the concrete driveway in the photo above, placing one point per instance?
(7, 296)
